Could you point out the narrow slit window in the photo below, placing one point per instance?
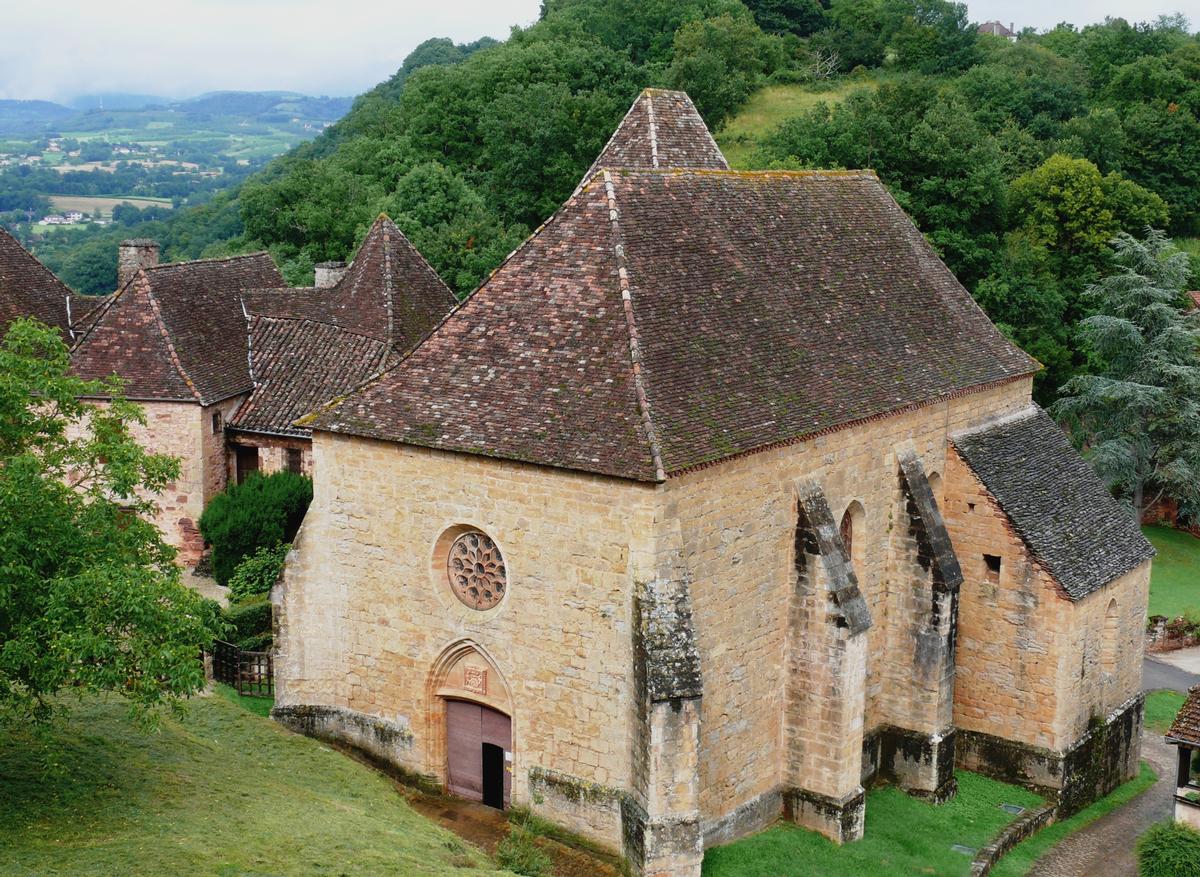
(991, 566)
(216, 421)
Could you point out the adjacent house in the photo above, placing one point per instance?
(29, 289)
(720, 500)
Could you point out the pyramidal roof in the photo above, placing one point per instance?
(177, 331)
(661, 129)
(666, 319)
(389, 293)
(29, 289)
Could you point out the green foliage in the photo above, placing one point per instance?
(249, 623)
(261, 512)
(1169, 849)
(519, 853)
(257, 573)
(90, 598)
(1173, 589)
(1139, 415)
(798, 17)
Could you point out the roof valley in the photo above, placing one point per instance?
(635, 353)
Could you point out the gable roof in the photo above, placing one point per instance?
(309, 345)
(661, 129)
(177, 331)
(1055, 502)
(1186, 726)
(662, 320)
(29, 289)
(389, 292)
(298, 365)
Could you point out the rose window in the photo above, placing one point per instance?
(476, 570)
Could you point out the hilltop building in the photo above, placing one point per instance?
(225, 358)
(720, 499)
(996, 29)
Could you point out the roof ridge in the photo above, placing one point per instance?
(170, 342)
(210, 260)
(652, 124)
(635, 351)
(421, 256)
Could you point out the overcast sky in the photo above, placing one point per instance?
(58, 49)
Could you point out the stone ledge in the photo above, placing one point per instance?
(1011, 835)
(376, 737)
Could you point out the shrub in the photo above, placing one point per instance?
(261, 512)
(1169, 850)
(519, 853)
(249, 621)
(257, 573)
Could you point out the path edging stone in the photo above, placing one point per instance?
(1011, 835)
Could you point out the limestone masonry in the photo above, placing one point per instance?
(717, 503)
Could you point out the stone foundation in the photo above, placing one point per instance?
(373, 736)
(1101, 760)
(751, 817)
(921, 764)
(840, 819)
(587, 809)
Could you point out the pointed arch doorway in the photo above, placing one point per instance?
(471, 725)
(478, 750)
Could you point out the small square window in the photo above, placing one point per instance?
(216, 421)
(970, 506)
(991, 563)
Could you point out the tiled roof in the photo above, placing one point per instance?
(1186, 727)
(663, 320)
(298, 365)
(1194, 298)
(389, 293)
(310, 345)
(177, 331)
(29, 289)
(662, 129)
(1061, 510)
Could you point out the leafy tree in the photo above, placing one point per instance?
(257, 573)
(720, 61)
(90, 598)
(1139, 415)
(799, 17)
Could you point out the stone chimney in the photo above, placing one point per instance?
(328, 274)
(132, 256)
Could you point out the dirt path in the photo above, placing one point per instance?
(1107, 845)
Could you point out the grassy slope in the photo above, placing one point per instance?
(1021, 858)
(904, 836)
(772, 105)
(1175, 575)
(222, 792)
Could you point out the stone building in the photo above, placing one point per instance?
(224, 358)
(717, 502)
(1184, 735)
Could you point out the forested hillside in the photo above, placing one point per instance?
(1020, 161)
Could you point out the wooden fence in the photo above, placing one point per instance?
(250, 673)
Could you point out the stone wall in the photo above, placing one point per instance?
(272, 452)
(738, 523)
(366, 616)
(1030, 661)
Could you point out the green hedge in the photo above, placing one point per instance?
(261, 512)
(256, 574)
(250, 623)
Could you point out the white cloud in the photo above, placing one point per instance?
(56, 50)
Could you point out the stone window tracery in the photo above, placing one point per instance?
(476, 570)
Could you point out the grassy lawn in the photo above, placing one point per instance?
(769, 107)
(1161, 707)
(1175, 576)
(221, 792)
(1021, 858)
(904, 836)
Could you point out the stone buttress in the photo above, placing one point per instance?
(661, 829)
(826, 666)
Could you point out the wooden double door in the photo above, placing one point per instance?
(479, 753)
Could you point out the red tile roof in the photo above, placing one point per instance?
(310, 345)
(1194, 298)
(1186, 727)
(297, 366)
(661, 129)
(177, 331)
(664, 320)
(29, 289)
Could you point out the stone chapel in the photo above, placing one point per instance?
(719, 501)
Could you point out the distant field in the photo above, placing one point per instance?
(771, 106)
(86, 204)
